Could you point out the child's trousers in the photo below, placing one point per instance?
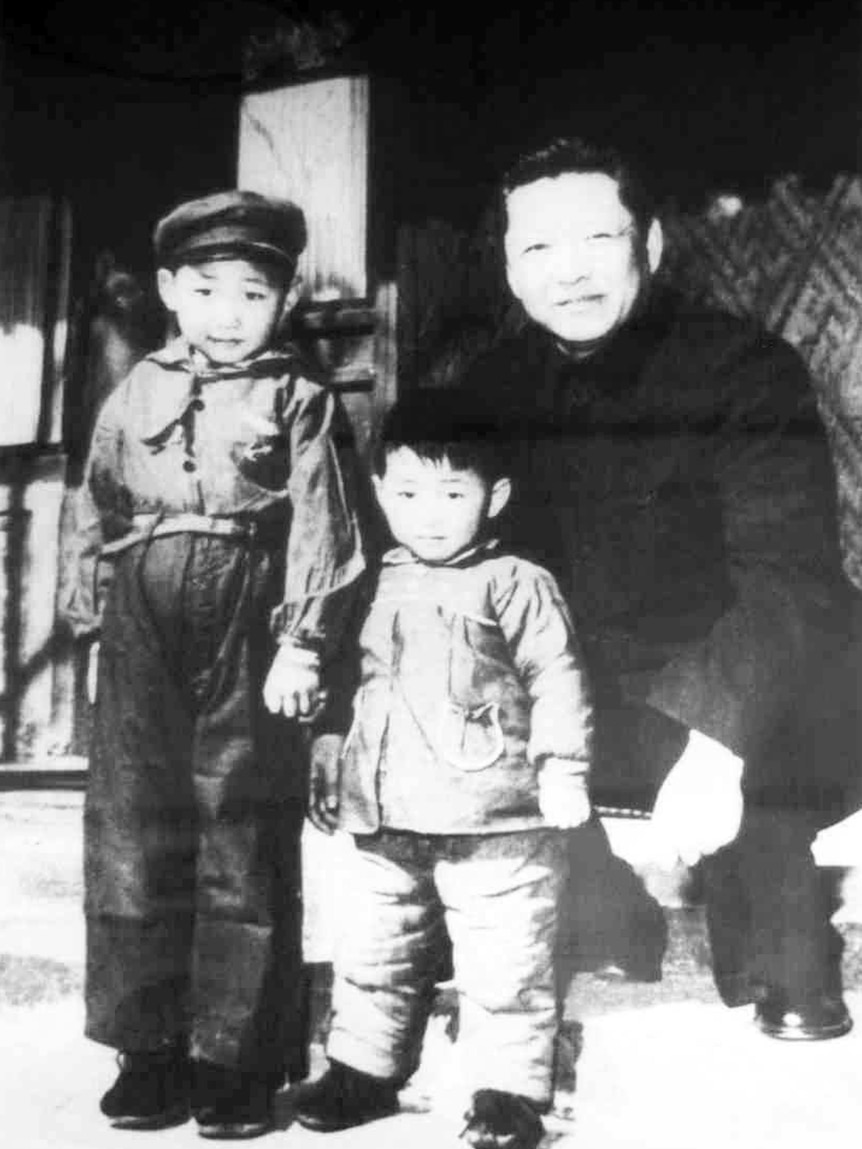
(193, 815)
(497, 896)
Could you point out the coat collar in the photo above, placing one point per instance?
(169, 398)
(177, 355)
(402, 556)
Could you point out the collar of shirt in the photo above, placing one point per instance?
(170, 405)
(177, 355)
(595, 387)
(403, 556)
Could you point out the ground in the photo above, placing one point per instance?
(661, 1066)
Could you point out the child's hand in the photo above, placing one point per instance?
(292, 687)
(324, 777)
(92, 672)
(564, 798)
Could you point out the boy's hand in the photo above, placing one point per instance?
(699, 805)
(292, 687)
(92, 672)
(564, 798)
(325, 772)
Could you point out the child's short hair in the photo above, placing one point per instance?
(232, 224)
(444, 423)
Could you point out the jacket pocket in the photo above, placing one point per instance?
(263, 463)
(471, 738)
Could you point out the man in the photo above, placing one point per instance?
(674, 475)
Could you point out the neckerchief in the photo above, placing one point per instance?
(182, 405)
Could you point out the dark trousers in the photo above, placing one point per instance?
(768, 910)
(767, 905)
(193, 816)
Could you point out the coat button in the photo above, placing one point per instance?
(188, 465)
(198, 405)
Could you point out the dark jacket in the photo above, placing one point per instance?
(678, 483)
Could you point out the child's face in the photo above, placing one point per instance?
(434, 509)
(226, 308)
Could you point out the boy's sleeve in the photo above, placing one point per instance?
(324, 546)
(342, 669)
(541, 637)
(89, 512)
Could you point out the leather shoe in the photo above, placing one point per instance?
(230, 1104)
(814, 1018)
(151, 1091)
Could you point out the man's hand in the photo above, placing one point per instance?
(92, 672)
(699, 806)
(325, 762)
(292, 687)
(564, 799)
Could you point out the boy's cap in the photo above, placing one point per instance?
(244, 222)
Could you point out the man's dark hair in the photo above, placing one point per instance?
(443, 423)
(567, 154)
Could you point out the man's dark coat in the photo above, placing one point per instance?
(678, 483)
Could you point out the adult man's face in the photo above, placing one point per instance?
(574, 257)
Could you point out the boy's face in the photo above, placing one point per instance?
(574, 257)
(433, 509)
(226, 308)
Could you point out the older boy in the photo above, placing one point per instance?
(220, 540)
(468, 753)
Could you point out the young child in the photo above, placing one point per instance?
(467, 756)
(220, 546)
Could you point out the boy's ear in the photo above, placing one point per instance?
(654, 245)
(291, 298)
(501, 492)
(376, 482)
(167, 287)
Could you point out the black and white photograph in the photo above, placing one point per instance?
(431, 574)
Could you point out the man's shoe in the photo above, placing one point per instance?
(344, 1097)
(151, 1090)
(231, 1104)
(815, 1018)
(497, 1120)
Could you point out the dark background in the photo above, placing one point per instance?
(128, 111)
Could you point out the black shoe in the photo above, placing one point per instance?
(231, 1104)
(344, 1097)
(151, 1091)
(498, 1120)
(814, 1018)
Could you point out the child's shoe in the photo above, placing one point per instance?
(231, 1104)
(497, 1120)
(151, 1090)
(344, 1097)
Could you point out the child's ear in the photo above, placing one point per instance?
(376, 482)
(167, 287)
(291, 297)
(654, 245)
(501, 492)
